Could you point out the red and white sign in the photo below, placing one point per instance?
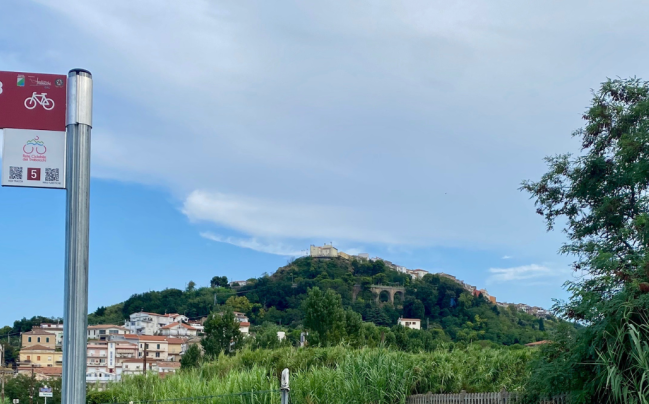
(32, 101)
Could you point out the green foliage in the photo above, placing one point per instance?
(221, 334)
(338, 375)
(219, 282)
(601, 195)
(265, 337)
(324, 317)
(192, 357)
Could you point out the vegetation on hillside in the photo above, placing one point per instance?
(448, 312)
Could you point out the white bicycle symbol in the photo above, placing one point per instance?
(47, 103)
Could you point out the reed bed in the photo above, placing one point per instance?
(336, 375)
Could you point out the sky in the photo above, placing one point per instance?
(229, 136)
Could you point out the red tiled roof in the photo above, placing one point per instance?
(152, 338)
(104, 326)
(176, 340)
(409, 319)
(537, 343)
(172, 325)
(168, 364)
(48, 370)
(38, 331)
(37, 348)
(244, 324)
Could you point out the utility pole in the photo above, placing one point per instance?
(145, 354)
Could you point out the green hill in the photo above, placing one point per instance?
(447, 310)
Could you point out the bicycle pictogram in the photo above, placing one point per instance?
(35, 99)
(35, 144)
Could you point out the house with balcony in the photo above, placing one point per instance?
(40, 356)
(178, 329)
(101, 332)
(136, 366)
(97, 357)
(144, 323)
(154, 347)
(177, 348)
(41, 373)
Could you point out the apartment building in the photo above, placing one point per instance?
(38, 336)
(156, 347)
(178, 329)
(177, 348)
(136, 366)
(101, 332)
(144, 323)
(97, 357)
(40, 356)
(56, 329)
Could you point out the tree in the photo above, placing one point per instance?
(541, 325)
(219, 281)
(601, 196)
(239, 303)
(191, 286)
(324, 316)
(192, 358)
(221, 334)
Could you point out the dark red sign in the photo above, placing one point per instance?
(32, 101)
(34, 174)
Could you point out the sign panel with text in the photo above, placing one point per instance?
(33, 158)
(32, 101)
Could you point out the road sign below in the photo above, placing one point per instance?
(45, 392)
(33, 158)
(32, 101)
(16, 401)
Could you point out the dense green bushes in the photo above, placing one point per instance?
(341, 375)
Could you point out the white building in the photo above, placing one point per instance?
(244, 327)
(101, 332)
(417, 273)
(136, 366)
(413, 323)
(238, 283)
(326, 251)
(144, 323)
(178, 329)
(56, 329)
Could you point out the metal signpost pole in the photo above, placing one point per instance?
(75, 320)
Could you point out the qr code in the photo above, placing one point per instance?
(15, 173)
(51, 174)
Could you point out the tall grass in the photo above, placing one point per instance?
(337, 375)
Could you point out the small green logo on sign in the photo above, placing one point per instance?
(21, 81)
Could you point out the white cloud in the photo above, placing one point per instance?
(401, 123)
(254, 244)
(507, 257)
(524, 273)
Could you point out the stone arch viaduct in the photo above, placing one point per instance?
(391, 290)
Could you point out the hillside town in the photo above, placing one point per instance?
(146, 340)
(329, 251)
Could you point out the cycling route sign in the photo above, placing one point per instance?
(33, 158)
(32, 114)
(32, 101)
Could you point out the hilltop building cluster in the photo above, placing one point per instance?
(329, 251)
(151, 340)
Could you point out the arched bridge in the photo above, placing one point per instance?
(378, 289)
